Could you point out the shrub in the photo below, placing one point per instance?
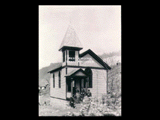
(104, 106)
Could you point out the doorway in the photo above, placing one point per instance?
(73, 84)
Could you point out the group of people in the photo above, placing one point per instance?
(78, 96)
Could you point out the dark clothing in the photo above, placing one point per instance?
(74, 90)
(78, 97)
(83, 94)
(71, 103)
(89, 94)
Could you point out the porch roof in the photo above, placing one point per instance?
(77, 72)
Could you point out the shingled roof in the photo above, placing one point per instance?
(70, 39)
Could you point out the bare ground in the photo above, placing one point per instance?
(49, 110)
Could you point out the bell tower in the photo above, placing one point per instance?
(70, 47)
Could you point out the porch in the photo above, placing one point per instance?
(76, 80)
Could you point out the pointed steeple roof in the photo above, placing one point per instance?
(71, 39)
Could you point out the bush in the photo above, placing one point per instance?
(105, 106)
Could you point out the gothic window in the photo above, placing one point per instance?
(89, 72)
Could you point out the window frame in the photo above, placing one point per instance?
(59, 75)
(63, 56)
(71, 55)
(53, 80)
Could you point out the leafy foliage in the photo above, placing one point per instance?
(114, 81)
(104, 106)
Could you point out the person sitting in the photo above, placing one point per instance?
(83, 93)
(89, 94)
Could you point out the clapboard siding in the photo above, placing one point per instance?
(91, 62)
(99, 82)
(58, 92)
(87, 59)
(99, 78)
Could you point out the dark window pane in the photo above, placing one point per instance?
(89, 72)
(59, 80)
(53, 81)
(63, 56)
(69, 85)
(71, 55)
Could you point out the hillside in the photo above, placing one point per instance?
(43, 75)
(106, 55)
(114, 80)
(111, 58)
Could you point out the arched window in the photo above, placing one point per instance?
(89, 72)
(59, 79)
(53, 81)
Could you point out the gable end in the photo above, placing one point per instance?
(98, 59)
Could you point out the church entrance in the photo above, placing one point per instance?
(74, 84)
(75, 81)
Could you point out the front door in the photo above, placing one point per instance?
(74, 84)
(70, 87)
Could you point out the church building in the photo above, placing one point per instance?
(77, 70)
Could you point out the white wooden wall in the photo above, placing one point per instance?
(58, 92)
(98, 82)
(99, 79)
(91, 62)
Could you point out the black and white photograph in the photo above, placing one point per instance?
(79, 60)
